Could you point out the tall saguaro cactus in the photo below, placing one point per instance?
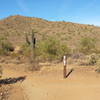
(33, 39)
(27, 39)
(33, 47)
(32, 44)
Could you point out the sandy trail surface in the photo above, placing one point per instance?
(48, 84)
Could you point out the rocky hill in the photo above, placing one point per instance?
(15, 27)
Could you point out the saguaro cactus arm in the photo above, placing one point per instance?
(33, 39)
(27, 39)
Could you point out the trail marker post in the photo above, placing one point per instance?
(65, 65)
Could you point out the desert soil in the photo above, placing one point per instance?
(48, 84)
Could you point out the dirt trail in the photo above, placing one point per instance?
(48, 84)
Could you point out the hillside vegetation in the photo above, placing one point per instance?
(54, 39)
(33, 44)
(14, 27)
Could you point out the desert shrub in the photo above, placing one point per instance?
(52, 46)
(3, 52)
(77, 55)
(93, 59)
(87, 45)
(52, 49)
(48, 49)
(64, 50)
(97, 50)
(98, 65)
(5, 46)
(98, 70)
(26, 50)
(14, 55)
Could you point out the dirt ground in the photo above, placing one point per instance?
(48, 84)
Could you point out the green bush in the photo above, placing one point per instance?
(64, 50)
(52, 49)
(26, 50)
(87, 45)
(48, 49)
(5, 46)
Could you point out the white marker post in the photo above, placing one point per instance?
(65, 63)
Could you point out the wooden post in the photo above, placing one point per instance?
(65, 63)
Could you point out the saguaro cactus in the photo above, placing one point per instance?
(33, 47)
(27, 39)
(32, 44)
(33, 39)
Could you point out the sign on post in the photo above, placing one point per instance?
(65, 65)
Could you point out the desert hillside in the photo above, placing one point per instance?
(15, 27)
(32, 69)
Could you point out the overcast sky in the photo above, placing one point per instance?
(78, 11)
